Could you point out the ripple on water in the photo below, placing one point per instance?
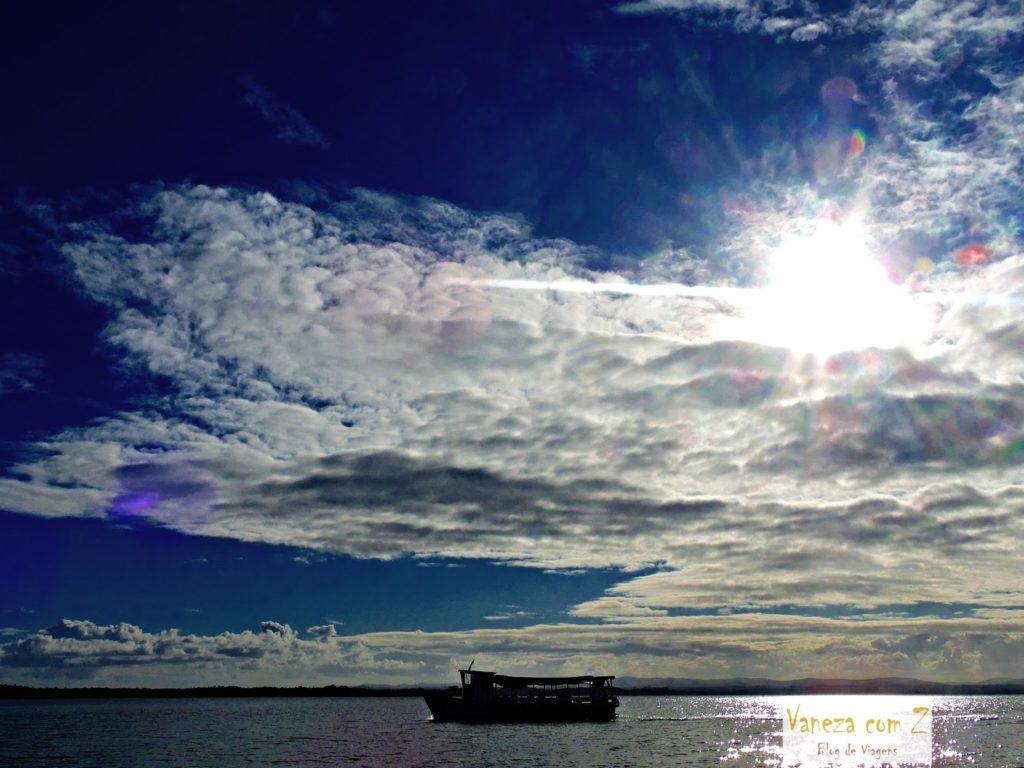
(650, 731)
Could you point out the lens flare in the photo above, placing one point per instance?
(973, 255)
(133, 504)
(838, 93)
(855, 144)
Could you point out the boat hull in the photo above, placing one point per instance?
(454, 709)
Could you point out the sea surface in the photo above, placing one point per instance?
(721, 731)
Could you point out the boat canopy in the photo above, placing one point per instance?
(511, 681)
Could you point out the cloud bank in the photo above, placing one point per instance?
(753, 645)
(382, 377)
(357, 380)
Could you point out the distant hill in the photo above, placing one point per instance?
(625, 686)
(211, 692)
(811, 685)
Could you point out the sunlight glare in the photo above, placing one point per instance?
(827, 294)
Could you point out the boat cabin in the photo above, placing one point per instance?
(488, 686)
(487, 697)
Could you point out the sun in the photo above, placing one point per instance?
(827, 293)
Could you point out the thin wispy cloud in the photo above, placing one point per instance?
(290, 126)
(19, 372)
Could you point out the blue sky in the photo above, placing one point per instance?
(668, 338)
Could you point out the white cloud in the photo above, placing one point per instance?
(794, 21)
(367, 378)
(82, 650)
(357, 380)
(942, 81)
(672, 6)
(323, 631)
(810, 31)
(910, 34)
(697, 647)
(918, 34)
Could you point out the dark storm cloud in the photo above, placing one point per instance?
(882, 429)
(383, 504)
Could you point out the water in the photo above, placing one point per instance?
(986, 731)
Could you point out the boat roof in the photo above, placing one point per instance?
(512, 680)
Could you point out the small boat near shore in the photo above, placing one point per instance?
(487, 697)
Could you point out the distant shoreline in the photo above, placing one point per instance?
(898, 686)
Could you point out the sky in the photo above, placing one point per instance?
(349, 342)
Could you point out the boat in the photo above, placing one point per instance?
(487, 697)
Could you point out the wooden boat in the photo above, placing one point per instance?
(487, 697)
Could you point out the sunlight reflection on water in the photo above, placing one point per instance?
(650, 731)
